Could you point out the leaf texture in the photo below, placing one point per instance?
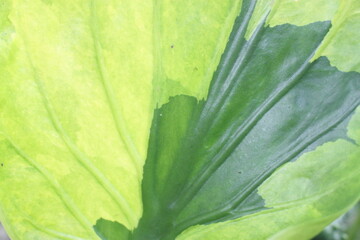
(177, 119)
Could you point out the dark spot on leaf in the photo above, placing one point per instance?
(195, 69)
(172, 46)
(2, 164)
(240, 172)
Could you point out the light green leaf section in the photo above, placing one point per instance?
(78, 84)
(296, 12)
(189, 38)
(302, 12)
(297, 195)
(342, 45)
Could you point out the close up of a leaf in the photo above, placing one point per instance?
(163, 119)
(345, 227)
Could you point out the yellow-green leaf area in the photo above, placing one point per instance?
(79, 81)
(302, 12)
(185, 58)
(296, 12)
(342, 45)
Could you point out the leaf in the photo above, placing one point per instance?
(342, 37)
(264, 148)
(346, 227)
(111, 230)
(76, 103)
(229, 145)
(316, 197)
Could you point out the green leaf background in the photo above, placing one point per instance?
(178, 119)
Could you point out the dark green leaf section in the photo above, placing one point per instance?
(267, 104)
(347, 227)
(108, 230)
(309, 114)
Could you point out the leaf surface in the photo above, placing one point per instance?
(78, 89)
(111, 230)
(171, 119)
